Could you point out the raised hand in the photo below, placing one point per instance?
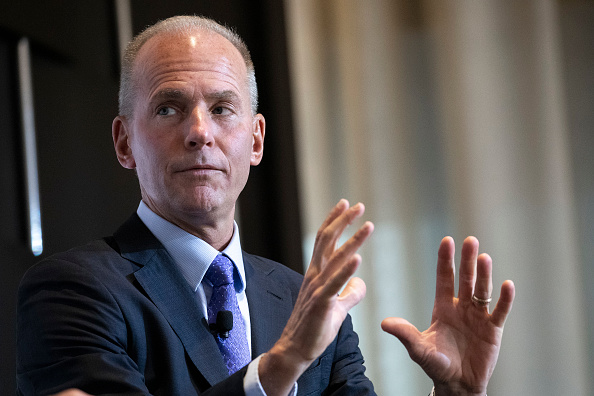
(72, 392)
(319, 310)
(460, 348)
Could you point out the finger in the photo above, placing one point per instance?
(338, 209)
(350, 247)
(335, 212)
(408, 335)
(468, 268)
(345, 261)
(445, 287)
(336, 280)
(353, 293)
(328, 236)
(484, 280)
(402, 329)
(319, 247)
(504, 305)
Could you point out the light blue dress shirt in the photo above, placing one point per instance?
(193, 257)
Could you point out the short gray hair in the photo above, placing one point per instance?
(180, 24)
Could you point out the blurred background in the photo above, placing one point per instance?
(444, 117)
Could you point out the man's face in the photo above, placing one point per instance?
(192, 136)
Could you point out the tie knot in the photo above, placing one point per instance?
(220, 271)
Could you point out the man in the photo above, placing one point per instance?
(133, 313)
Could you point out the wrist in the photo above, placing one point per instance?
(449, 390)
(279, 369)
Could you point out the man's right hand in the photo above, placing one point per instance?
(72, 392)
(319, 310)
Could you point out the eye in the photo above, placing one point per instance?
(221, 110)
(165, 111)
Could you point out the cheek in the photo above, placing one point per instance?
(238, 155)
(141, 153)
(242, 153)
(148, 160)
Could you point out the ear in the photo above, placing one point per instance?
(120, 133)
(258, 132)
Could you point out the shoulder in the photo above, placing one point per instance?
(96, 267)
(271, 268)
(96, 256)
(277, 279)
(103, 258)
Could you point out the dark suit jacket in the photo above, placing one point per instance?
(116, 317)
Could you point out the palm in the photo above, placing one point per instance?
(460, 348)
(460, 343)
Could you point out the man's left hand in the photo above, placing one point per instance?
(459, 350)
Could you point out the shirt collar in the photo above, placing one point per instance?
(191, 254)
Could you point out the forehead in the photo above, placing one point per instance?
(167, 56)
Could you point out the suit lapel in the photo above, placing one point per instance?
(270, 303)
(169, 291)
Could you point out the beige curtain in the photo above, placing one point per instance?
(447, 118)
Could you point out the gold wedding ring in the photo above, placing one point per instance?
(480, 301)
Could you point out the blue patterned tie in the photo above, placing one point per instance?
(234, 349)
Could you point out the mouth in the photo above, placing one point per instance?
(200, 169)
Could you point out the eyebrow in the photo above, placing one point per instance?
(173, 93)
(169, 93)
(226, 95)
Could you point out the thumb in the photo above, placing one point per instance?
(353, 293)
(412, 340)
(402, 329)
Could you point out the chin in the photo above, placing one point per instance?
(202, 205)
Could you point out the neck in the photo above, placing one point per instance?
(216, 235)
(216, 232)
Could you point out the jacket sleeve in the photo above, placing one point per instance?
(71, 333)
(339, 371)
(348, 372)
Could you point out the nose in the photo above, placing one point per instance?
(199, 131)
